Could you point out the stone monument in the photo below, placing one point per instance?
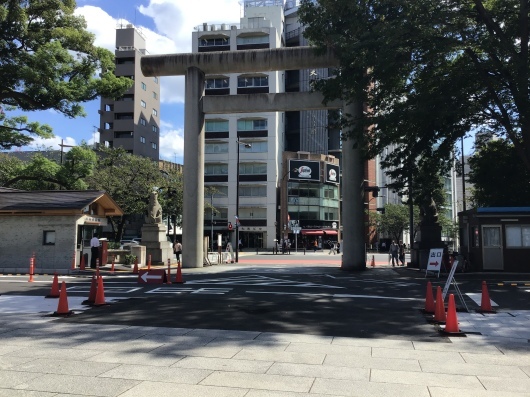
(154, 234)
(430, 235)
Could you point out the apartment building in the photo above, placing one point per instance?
(132, 121)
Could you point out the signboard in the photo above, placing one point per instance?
(296, 230)
(332, 173)
(434, 263)
(153, 276)
(304, 170)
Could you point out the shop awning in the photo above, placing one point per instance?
(319, 232)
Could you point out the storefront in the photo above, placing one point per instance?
(496, 238)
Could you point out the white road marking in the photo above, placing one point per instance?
(256, 280)
(109, 290)
(477, 298)
(333, 295)
(177, 290)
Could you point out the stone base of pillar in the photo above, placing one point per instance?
(155, 240)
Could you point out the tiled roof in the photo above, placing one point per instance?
(47, 200)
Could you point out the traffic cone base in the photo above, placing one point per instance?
(100, 294)
(54, 293)
(451, 325)
(485, 301)
(439, 310)
(82, 262)
(135, 268)
(178, 278)
(62, 307)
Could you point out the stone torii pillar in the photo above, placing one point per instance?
(195, 66)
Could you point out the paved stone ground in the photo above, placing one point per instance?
(43, 356)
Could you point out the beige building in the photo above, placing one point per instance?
(51, 226)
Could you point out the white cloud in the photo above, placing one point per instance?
(52, 143)
(171, 143)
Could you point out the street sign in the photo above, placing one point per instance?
(434, 263)
(296, 229)
(153, 276)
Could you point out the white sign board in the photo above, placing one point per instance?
(434, 262)
(296, 230)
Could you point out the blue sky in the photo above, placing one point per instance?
(167, 26)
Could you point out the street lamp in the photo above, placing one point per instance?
(247, 145)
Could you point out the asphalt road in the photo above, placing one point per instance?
(282, 293)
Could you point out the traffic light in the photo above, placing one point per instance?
(229, 225)
(375, 192)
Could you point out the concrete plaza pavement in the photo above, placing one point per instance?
(43, 356)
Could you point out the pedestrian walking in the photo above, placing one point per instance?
(315, 245)
(394, 252)
(402, 253)
(177, 249)
(230, 251)
(333, 247)
(94, 251)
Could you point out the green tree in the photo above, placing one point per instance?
(498, 180)
(172, 198)
(48, 61)
(428, 72)
(10, 167)
(43, 173)
(394, 221)
(129, 180)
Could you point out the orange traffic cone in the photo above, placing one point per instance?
(31, 269)
(178, 278)
(62, 307)
(373, 261)
(439, 311)
(100, 294)
(112, 266)
(92, 294)
(168, 281)
(451, 325)
(149, 263)
(485, 302)
(82, 263)
(429, 300)
(135, 269)
(73, 262)
(54, 293)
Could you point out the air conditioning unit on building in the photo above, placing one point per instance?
(213, 27)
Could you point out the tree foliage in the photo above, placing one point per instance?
(498, 180)
(428, 72)
(128, 179)
(48, 61)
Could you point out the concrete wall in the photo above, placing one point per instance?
(21, 236)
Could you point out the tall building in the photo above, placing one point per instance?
(132, 121)
(271, 201)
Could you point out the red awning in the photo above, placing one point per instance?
(319, 232)
(312, 232)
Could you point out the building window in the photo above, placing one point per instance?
(221, 41)
(143, 121)
(253, 213)
(518, 236)
(108, 126)
(155, 129)
(215, 169)
(109, 108)
(144, 87)
(123, 116)
(217, 83)
(127, 98)
(125, 61)
(252, 168)
(142, 139)
(155, 112)
(218, 147)
(257, 147)
(251, 125)
(253, 40)
(155, 79)
(155, 95)
(216, 125)
(253, 191)
(220, 191)
(253, 81)
(48, 237)
(143, 104)
(123, 134)
(154, 145)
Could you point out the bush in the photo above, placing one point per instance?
(129, 259)
(113, 245)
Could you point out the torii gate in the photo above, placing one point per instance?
(194, 66)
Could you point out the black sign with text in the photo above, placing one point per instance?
(303, 170)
